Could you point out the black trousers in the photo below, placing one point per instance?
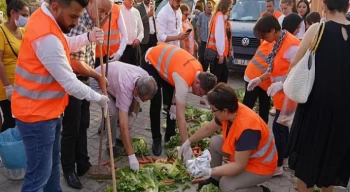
(281, 134)
(220, 70)
(201, 51)
(250, 98)
(9, 121)
(76, 121)
(130, 55)
(97, 61)
(156, 104)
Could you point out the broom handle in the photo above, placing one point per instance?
(104, 90)
(108, 41)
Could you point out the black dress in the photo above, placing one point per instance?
(319, 143)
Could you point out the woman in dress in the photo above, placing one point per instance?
(319, 147)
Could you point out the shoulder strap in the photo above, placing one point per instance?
(317, 38)
(13, 51)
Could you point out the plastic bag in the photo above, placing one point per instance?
(195, 166)
(287, 112)
(12, 151)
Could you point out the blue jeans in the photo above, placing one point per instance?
(42, 144)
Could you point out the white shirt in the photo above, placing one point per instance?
(150, 21)
(133, 22)
(52, 55)
(123, 33)
(301, 32)
(169, 23)
(280, 19)
(220, 35)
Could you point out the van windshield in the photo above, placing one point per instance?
(248, 10)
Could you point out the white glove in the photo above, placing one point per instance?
(96, 35)
(103, 103)
(172, 112)
(8, 90)
(185, 151)
(274, 88)
(253, 83)
(115, 57)
(203, 173)
(134, 163)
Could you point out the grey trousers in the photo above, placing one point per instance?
(243, 182)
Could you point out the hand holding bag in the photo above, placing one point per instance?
(301, 77)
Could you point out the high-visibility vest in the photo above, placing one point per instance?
(276, 14)
(280, 67)
(258, 65)
(168, 59)
(187, 40)
(115, 37)
(212, 42)
(263, 160)
(37, 96)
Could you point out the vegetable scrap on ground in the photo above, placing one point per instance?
(164, 174)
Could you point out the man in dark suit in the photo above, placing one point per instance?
(146, 9)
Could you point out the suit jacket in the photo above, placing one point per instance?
(145, 21)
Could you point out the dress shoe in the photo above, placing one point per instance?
(73, 180)
(208, 181)
(157, 147)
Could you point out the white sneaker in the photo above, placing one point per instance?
(278, 171)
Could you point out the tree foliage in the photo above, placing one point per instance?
(3, 7)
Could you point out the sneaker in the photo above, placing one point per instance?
(157, 147)
(207, 182)
(273, 111)
(285, 163)
(278, 171)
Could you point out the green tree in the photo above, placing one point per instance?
(3, 7)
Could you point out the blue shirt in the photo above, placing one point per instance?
(203, 23)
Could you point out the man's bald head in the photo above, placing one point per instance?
(104, 8)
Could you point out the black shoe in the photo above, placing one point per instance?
(207, 182)
(73, 180)
(157, 147)
(81, 170)
(116, 152)
(119, 143)
(265, 189)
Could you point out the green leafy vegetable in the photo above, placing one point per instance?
(210, 188)
(140, 147)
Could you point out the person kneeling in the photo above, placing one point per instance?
(245, 140)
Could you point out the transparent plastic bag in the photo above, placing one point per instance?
(287, 112)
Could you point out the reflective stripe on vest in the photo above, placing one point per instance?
(39, 95)
(167, 61)
(264, 150)
(41, 79)
(257, 64)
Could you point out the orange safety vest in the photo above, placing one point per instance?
(37, 96)
(187, 40)
(258, 65)
(212, 42)
(168, 59)
(281, 67)
(115, 37)
(276, 14)
(262, 161)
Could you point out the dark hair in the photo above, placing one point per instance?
(291, 22)
(15, 5)
(222, 96)
(337, 5)
(66, 3)
(223, 6)
(273, 1)
(265, 25)
(207, 81)
(307, 7)
(313, 17)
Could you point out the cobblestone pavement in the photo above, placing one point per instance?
(141, 128)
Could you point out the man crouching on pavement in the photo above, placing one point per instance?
(128, 86)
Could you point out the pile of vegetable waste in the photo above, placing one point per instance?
(210, 188)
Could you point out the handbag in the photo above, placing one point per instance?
(13, 51)
(209, 54)
(301, 77)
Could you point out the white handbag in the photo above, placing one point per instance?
(301, 77)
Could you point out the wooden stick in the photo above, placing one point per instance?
(104, 90)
